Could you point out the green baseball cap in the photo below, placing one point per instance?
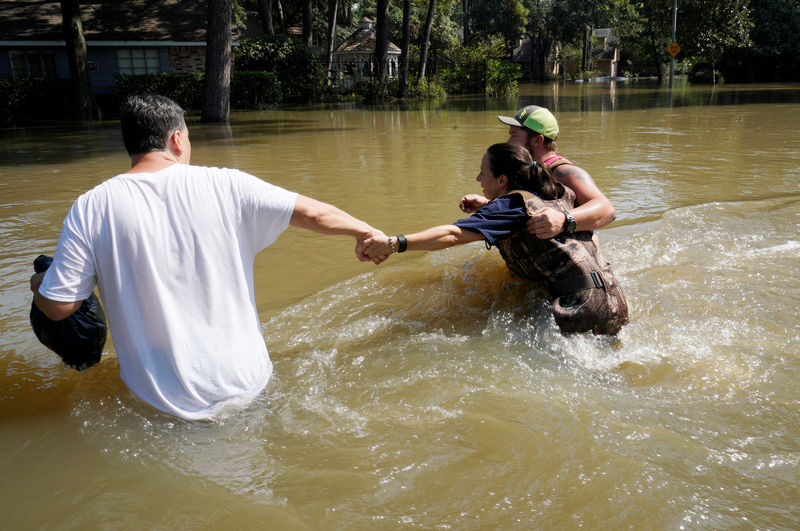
(536, 118)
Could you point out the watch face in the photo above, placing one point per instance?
(570, 224)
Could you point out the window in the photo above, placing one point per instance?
(136, 61)
(33, 64)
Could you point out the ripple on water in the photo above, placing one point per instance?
(427, 385)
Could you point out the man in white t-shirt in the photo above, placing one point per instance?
(171, 249)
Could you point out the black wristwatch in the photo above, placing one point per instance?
(569, 224)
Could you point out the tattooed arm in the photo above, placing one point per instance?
(594, 210)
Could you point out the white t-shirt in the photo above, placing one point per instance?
(172, 254)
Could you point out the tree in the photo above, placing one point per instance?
(426, 39)
(775, 52)
(508, 20)
(281, 18)
(332, 8)
(466, 9)
(405, 44)
(265, 11)
(308, 22)
(217, 89)
(717, 26)
(382, 36)
(83, 96)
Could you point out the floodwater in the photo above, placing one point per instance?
(434, 391)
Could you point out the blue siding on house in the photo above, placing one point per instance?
(59, 55)
(163, 59)
(104, 56)
(62, 62)
(107, 68)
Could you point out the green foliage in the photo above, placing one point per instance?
(478, 67)
(427, 89)
(478, 51)
(776, 28)
(706, 28)
(255, 90)
(703, 72)
(501, 78)
(296, 66)
(184, 89)
(775, 51)
(506, 19)
(248, 89)
(34, 97)
(570, 59)
(463, 78)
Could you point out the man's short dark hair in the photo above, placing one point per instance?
(148, 120)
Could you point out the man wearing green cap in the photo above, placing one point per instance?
(537, 129)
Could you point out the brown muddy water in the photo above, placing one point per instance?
(435, 391)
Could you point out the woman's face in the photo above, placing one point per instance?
(492, 188)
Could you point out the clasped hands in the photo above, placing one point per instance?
(374, 247)
(543, 223)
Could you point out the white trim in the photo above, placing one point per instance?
(118, 44)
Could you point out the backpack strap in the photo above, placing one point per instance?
(555, 161)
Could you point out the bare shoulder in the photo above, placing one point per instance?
(569, 173)
(580, 181)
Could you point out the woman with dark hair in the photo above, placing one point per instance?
(583, 290)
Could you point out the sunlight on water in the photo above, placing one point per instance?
(402, 386)
(435, 391)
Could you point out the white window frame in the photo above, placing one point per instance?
(138, 61)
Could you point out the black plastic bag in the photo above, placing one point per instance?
(79, 339)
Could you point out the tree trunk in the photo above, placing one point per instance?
(281, 19)
(382, 37)
(426, 38)
(466, 7)
(587, 48)
(265, 10)
(307, 23)
(652, 33)
(217, 91)
(84, 102)
(402, 91)
(333, 6)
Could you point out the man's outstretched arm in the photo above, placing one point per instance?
(325, 218)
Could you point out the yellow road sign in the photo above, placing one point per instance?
(673, 49)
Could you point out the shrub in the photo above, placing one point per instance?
(185, 89)
(501, 78)
(480, 68)
(702, 72)
(296, 66)
(255, 90)
(34, 97)
(429, 88)
(248, 89)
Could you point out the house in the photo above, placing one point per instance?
(605, 51)
(355, 56)
(523, 55)
(130, 37)
(605, 54)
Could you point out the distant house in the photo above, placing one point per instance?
(605, 55)
(605, 52)
(355, 56)
(122, 37)
(522, 54)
